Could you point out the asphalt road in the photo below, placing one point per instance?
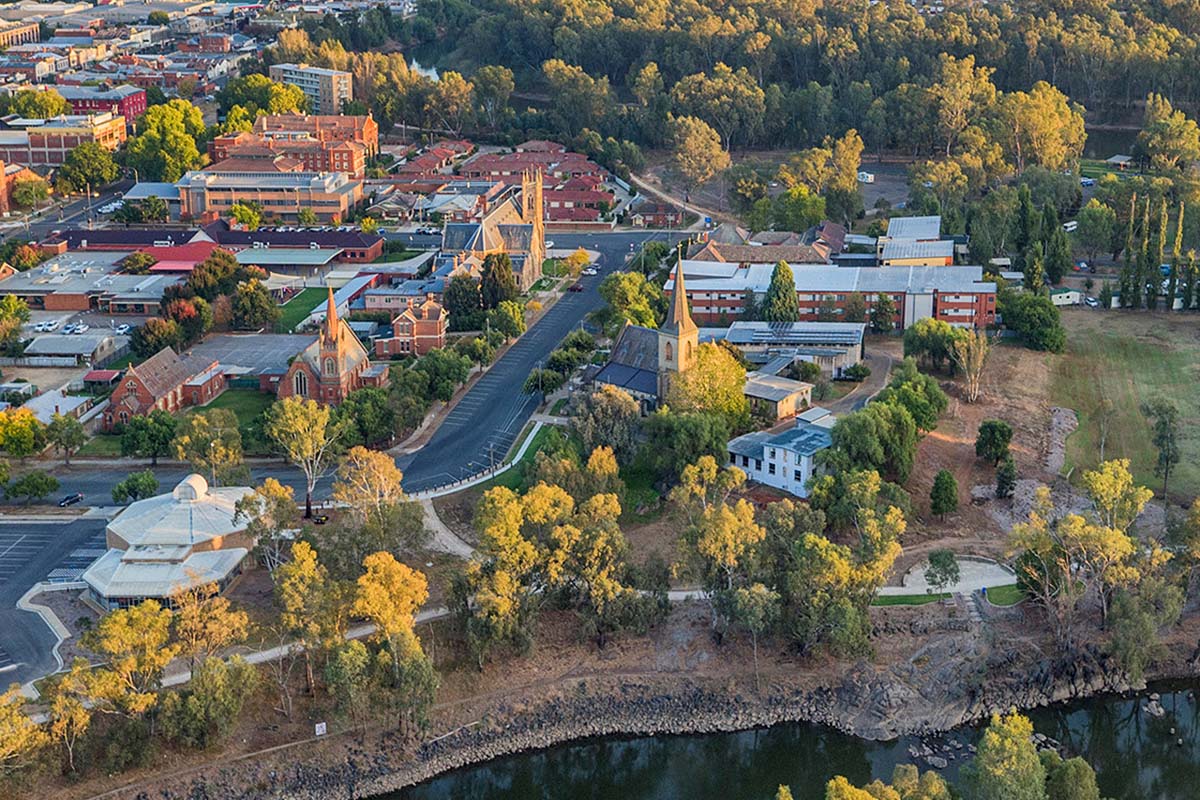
(487, 420)
(28, 553)
(73, 214)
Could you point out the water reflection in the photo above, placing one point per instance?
(1136, 756)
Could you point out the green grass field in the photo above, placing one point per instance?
(1008, 595)
(102, 445)
(247, 404)
(554, 267)
(908, 599)
(1119, 360)
(298, 308)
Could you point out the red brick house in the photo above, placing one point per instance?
(164, 381)
(333, 366)
(417, 329)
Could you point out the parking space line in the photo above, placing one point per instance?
(14, 544)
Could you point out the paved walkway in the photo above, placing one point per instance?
(444, 539)
(974, 574)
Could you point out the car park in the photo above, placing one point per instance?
(70, 500)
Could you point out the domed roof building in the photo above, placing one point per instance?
(164, 544)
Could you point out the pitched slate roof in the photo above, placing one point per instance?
(633, 363)
(164, 371)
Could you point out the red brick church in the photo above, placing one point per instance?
(333, 366)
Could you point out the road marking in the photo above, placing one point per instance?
(14, 544)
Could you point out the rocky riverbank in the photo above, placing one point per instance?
(873, 706)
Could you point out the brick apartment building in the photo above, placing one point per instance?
(312, 155)
(957, 295)
(125, 100)
(323, 128)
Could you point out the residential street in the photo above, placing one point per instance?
(486, 421)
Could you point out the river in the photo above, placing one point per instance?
(1136, 757)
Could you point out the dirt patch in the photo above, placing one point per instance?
(1063, 422)
(457, 512)
(657, 538)
(76, 615)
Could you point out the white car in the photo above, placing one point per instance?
(591, 271)
(123, 330)
(69, 329)
(41, 326)
(51, 325)
(1091, 302)
(82, 327)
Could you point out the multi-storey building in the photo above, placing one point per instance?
(19, 33)
(125, 100)
(207, 195)
(313, 155)
(416, 330)
(323, 128)
(957, 295)
(327, 89)
(49, 141)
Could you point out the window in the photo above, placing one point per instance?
(745, 461)
(758, 465)
(124, 417)
(798, 476)
(771, 468)
(300, 383)
(668, 352)
(330, 367)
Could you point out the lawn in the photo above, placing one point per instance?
(558, 406)
(554, 267)
(1008, 595)
(639, 491)
(908, 599)
(1118, 360)
(102, 445)
(543, 285)
(298, 308)
(248, 405)
(399, 255)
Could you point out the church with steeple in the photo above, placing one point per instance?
(645, 361)
(334, 365)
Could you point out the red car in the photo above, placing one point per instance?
(576, 287)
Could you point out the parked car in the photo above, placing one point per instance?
(51, 325)
(1080, 266)
(1091, 302)
(866, 177)
(591, 271)
(82, 327)
(1087, 181)
(69, 328)
(123, 329)
(70, 500)
(576, 287)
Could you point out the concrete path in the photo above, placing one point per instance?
(974, 574)
(444, 539)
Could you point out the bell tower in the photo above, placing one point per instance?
(678, 337)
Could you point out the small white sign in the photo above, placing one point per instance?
(320, 727)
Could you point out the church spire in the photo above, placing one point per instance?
(679, 318)
(331, 317)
